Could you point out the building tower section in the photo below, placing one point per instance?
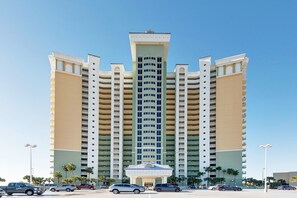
(181, 115)
(116, 143)
(231, 112)
(204, 129)
(149, 55)
(66, 110)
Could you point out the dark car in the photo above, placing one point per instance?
(286, 187)
(85, 186)
(19, 187)
(166, 188)
(229, 188)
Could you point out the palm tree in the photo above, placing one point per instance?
(224, 172)
(71, 167)
(67, 181)
(27, 177)
(111, 180)
(218, 169)
(294, 179)
(235, 173)
(65, 169)
(58, 175)
(2, 179)
(89, 171)
(208, 170)
(101, 178)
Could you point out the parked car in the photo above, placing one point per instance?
(2, 192)
(229, 188)
(118, 188)
(166, 188)
(85, 186)
(20, 187)
(212, 188)
(48, 186)
(286, 187)
(64, 187)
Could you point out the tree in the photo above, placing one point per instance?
(38, 181)
(67, 181)
(218, 169)
(270, 179)
(58, 175)
(294, 179)
(235, 174)
(208, 170)
(2, 179)
(27, 178)
(101, 178)
(172, 179)
(69, 167)
(89, 171)
(111, 180)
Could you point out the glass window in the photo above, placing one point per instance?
(159, 72)
(139, 77)
(159, 115)
(138, 157)
(139, 126)
(139, 84)
(159, 102)
(159, 90)
(158, 144)
(139, 90)
(139, 132)
(158, 78)
(139, 71)
(158, 157)
(159, 96)
(139, 151)
(158, 126)
(159, 84)
(139, 120)
(139, 65)
(139, 114)
(139, 95)
(140, 102)
(139, 145)
(139, 59)
(158, 107)
(159, 119)
(158, 132)
(139, 108)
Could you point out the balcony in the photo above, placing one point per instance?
(243, 155)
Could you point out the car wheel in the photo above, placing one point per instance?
(92, 188)
(158, 190)
(9, 193)
(29, 192)
(176, 190)
(53, 190)
(68, 190)
(136, 191)
(116, 191)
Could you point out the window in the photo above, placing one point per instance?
(159, 66)
(158, 126)
(159, 72)
(159, 119)
(139, 84)
(139, 77)
(139, 151)
(159, 102)
(159, 115)
(158, 144)
(139, 90)
(139, 114)
(138, 157)
(159, 90)
(159, 78)
(139, 65)
(139, 132)
(158, 84)
(139, 102)
(159, 59)
(139, 126)
(158, 132)
(159, 96)
(158, 108)
(139, 139)
(139, 71)
(138, 144)
(139, 120)
(158, 139)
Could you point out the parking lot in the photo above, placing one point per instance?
(186, 193)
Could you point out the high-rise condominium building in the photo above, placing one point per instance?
(109, 120)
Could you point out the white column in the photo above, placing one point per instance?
(93, 114)
(204, 114)
(164, 179)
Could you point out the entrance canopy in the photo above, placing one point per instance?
(149, 171)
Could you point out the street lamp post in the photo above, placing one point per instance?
(266, 147)
(31, 169)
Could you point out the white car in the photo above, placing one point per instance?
(64, 187)
(212, 187)
(2, 192)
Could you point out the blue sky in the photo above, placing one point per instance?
(31, 30)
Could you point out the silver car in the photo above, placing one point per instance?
(64, 187)
(2, 192)
(118, 188)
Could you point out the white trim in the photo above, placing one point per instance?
(204, 114)
(93, 109)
